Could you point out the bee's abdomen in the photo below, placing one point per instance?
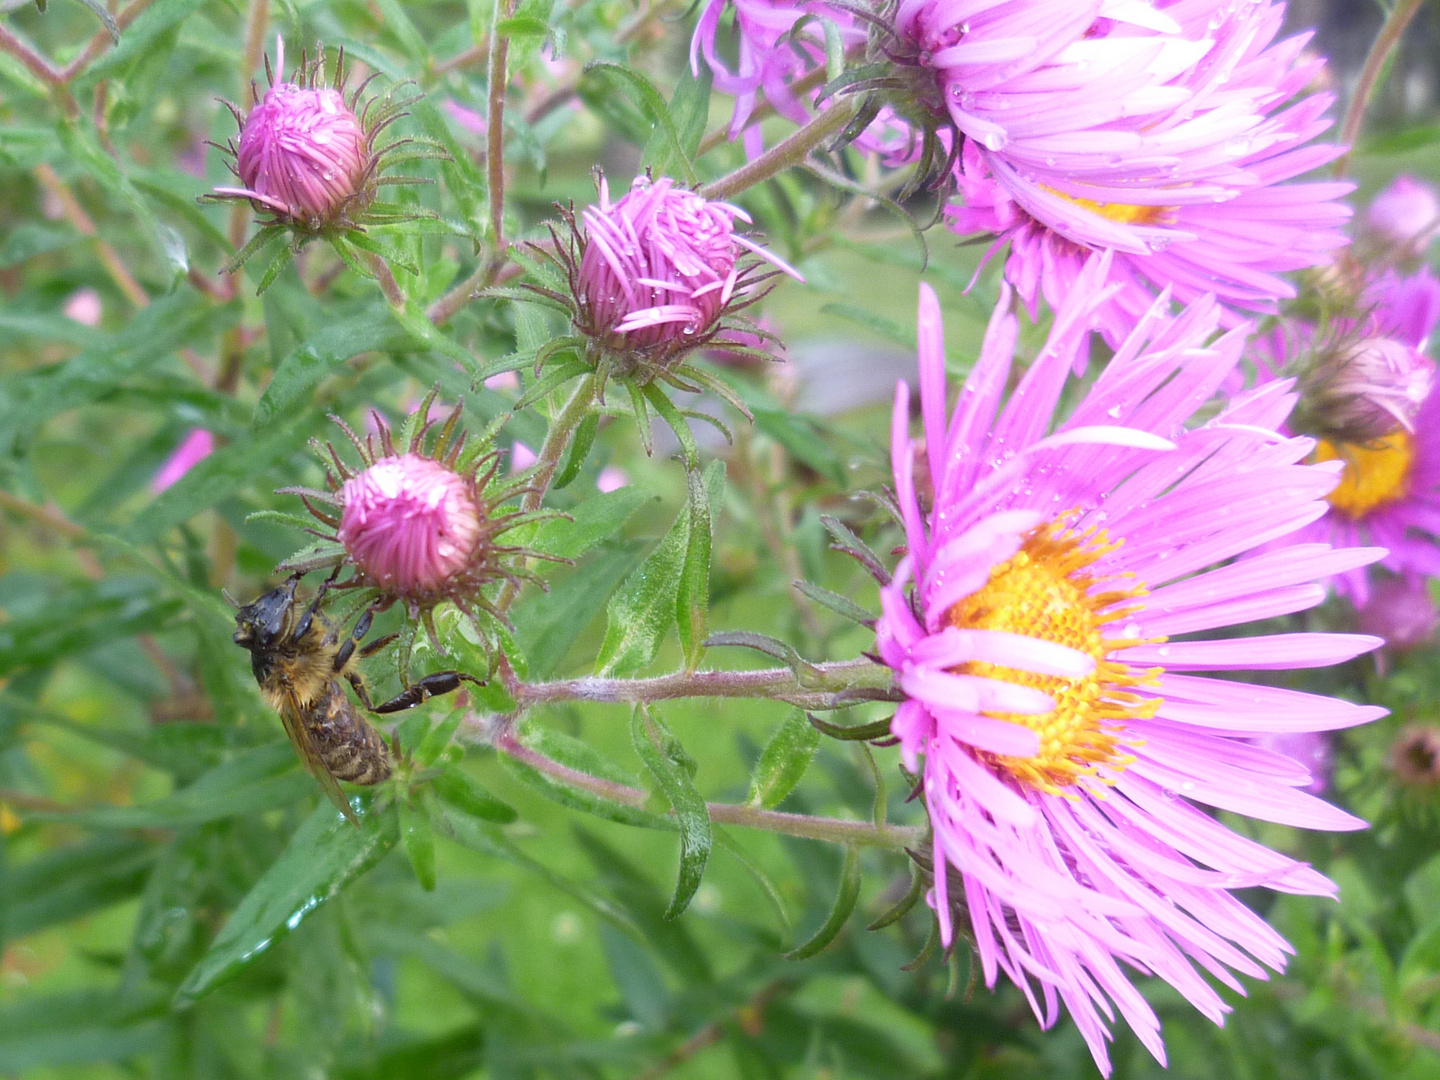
(348, 745)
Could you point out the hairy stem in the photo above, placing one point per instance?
(784, 155)
(1369, 81)
(834, 830)
(819, 688)
(40, 67)
(386, 280)
(495, 124)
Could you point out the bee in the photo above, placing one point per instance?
(299, 660)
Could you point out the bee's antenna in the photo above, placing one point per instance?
(230, 599)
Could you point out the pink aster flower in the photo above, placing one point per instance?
(1309, 749)
(654, 275)
(1389, 490)
(1041, 628)
(193, 449)
(1193, 191)
(409, 523)
(1406, 214)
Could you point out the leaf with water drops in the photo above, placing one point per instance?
(326, 854)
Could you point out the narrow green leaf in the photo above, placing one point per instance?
(463, 178)
(252, 782)
(438, 738)
(844, 904)
(841, 605)
(692, 599)
(333, 345)
(139, 37)
(676, 421)
(689, 111)
(760, 877)
(464, 793)
(640, 90)
(597, 518)
(419, 844)
(547, 624)
(579, 450)
(642, 613)
(801, 438)
(673, 770)
(850, 544)
(582, 758)
(64, 1032)
(325, 855)
(522, 26)
(72, 881)
(783, 761)
(887, 328)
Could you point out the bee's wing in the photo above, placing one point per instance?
(310, 755)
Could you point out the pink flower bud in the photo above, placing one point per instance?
(303, 154)
(195, 447)
(85, 307)
(1368, 389)
(659, 262)
(1400, 610)
(409, 523)
(1406, 213)
(611, 478)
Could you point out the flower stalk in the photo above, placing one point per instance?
(1385, 42)
(786, 154)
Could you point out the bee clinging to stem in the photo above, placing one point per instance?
(299, 659)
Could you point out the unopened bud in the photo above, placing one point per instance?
(1406, 214)
(1415, 756)
(1366, 390)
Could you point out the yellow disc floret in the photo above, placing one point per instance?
(1121, 213)
(1376, 473)
(1046, 591)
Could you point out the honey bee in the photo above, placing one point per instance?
(298, 660)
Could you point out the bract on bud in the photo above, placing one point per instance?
(418, 525)
(657, 274)
(1406, 214)
(1359, 391)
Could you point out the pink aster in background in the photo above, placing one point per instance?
(1402, 611)
(1040, 626)
(1200, 199)
(1406, 215)
(1389, 490)
(779, 43)
(194, 448)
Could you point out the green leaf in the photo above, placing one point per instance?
(841, 605)
(596, 519)
(332, 346)
(82, 1028)
(252, 782)
(844, 904)
(643, 93)
(522, 26)
(692, 599)
(674, 770)
(579, 449)
(759, 876)
(72, 881)
(399, 22)
(689, 110)
(464, 793)
(325, 855)
(642, 613)
(783, 761)
(83, 618)
(438, 739)
(419, 844)
(582, 758)
(887, 328)
(139, 37)
(800, 436)
(547, 624)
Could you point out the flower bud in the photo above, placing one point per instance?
(1406, 214)
(409, 523)
(653, 273)
(1365, 390)
(1415, 756)
(1400, 610)
(303, 155)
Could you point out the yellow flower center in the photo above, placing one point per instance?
(1046, 591)
(1376, 473)
(1120, 213)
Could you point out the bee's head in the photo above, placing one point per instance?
(262, 622)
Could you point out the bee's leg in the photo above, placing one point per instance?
(362, 627)
(303, 626)
(432, 685)
(361, 690)
(378, 644)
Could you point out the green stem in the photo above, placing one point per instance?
(824, 686)
(1365, 87)
(786, 154)
(834, 830)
